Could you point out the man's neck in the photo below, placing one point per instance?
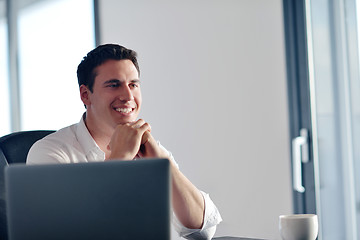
(100, 135)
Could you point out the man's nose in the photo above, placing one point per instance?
(125, 94)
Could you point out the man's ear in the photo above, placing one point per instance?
(84, 95)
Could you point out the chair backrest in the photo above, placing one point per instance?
(14, 149)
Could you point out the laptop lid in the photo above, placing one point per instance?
(104, 200)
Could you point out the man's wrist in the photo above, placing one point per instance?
(115, 156)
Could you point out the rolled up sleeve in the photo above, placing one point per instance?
(212, 218)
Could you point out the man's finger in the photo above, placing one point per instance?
(145, 137)
(145, 127)
(137, 124)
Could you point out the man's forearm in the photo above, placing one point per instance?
(188, 203)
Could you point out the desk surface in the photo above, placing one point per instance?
(235, 238)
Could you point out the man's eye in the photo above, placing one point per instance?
(134, 85)
(114, 85)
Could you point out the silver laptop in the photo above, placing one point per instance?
(105, 200)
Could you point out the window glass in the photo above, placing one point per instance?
(355, 95)
(4, 78)
(337, 91)
(53, 38)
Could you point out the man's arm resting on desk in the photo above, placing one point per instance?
(212, 217)
(195, 215)
(188, 203)
(187, 200)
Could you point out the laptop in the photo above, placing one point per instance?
(103, 200)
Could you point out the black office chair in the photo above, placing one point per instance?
(14, 149)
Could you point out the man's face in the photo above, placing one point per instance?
(116, 97)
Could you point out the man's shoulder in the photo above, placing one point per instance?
(54, 148)
(66, 134)
(61, 140)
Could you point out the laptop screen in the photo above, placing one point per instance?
(104, 200)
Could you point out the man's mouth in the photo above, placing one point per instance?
(124, 110)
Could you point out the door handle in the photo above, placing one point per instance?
(300, 154)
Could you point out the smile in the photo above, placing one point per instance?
(124, 110)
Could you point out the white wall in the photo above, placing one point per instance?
(214, 89)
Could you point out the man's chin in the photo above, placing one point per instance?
(125, 121)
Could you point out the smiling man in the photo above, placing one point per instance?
(109, 84)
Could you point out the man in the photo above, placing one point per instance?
(109, 130)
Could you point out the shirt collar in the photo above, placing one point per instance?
(91, 149)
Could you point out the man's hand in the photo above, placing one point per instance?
(126, 140)
(150, 148)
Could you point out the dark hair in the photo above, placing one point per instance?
(98, 56)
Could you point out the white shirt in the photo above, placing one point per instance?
(74, 144)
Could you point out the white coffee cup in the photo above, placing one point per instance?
(298, 226)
